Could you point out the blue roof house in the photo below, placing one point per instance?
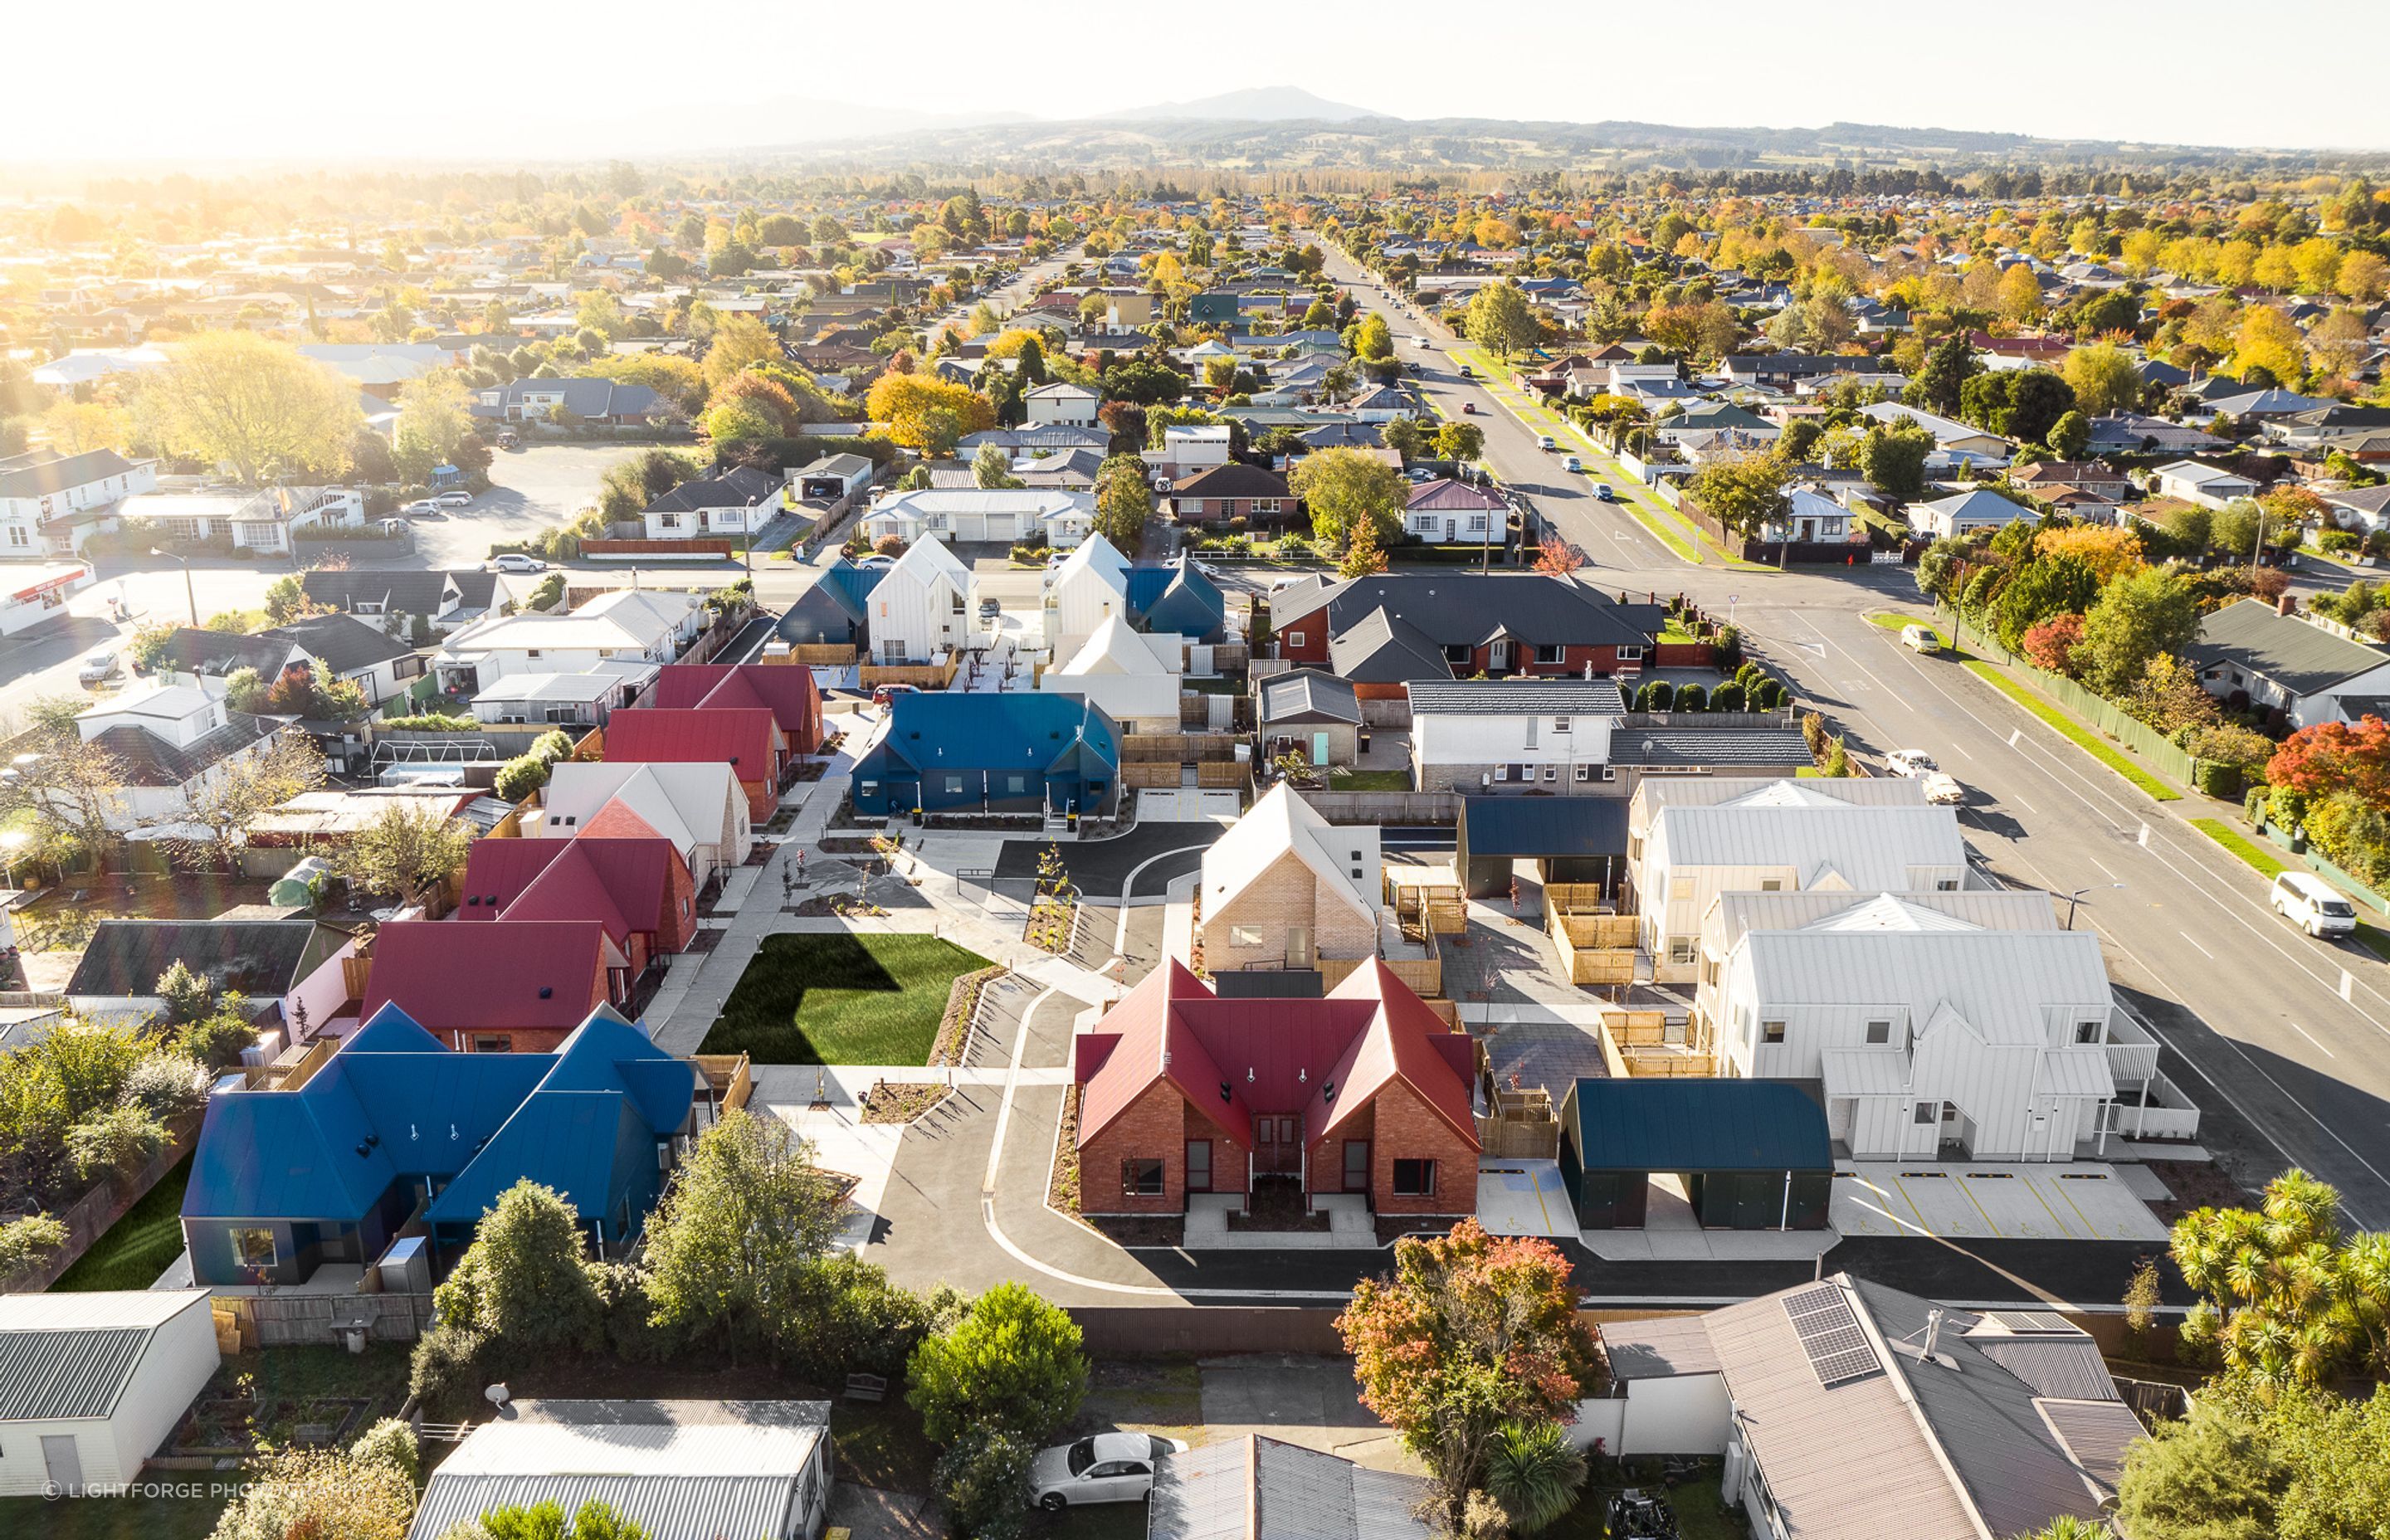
(1011, 753)
(397, 1132)
(1177, 598)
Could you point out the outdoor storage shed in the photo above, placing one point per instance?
(1572, 839)
(91, 1384)
(1755, 1154)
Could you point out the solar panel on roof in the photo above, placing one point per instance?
(1831, 1334)
(2025, 1321)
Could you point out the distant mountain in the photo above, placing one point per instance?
(1261, 104)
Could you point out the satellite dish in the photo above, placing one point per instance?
(497, 1395)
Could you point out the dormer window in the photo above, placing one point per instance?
(2089, 1032)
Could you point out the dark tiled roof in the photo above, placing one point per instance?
(1515, 697)
(222, 652)
(343, 642)
(148, 760)
(1379, 649)
(26, 476)
(1692, 748)
(743, 486)
(1466, 609)
(416, 593)
(2301, 656)
(260, 958)
(1234, 479)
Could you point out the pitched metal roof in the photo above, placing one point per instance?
(1257, 1488)
(1660, 1348)
(1517, 696)
(66, 1356)
(1674, 748)
(1466, 609)
(1687, 1125)
(1543, 826)
(2000, 983)
(1874, 849)
(342, 641)
(27, 476)
(2301, 656)
(1308, 695)
(263, 958)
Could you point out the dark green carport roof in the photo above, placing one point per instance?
(1694, 1125)
(1545, 826)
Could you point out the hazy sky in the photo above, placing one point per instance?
(282, 79)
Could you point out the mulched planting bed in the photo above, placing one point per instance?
(2196, 1184)
(892, 1102)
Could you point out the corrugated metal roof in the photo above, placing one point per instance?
(1865, 1071)
(1874, 849)
(1679, 747)
(1516, 697)
(681, 1469)
(1544, 825)
(2002, 982)
(1659, 1349)
(71, 1355)
(1692, 1125)
(1737, 914)
(2096, 1433)
(1256, 1488)
(2069, 1368)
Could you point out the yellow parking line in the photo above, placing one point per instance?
(2033, 1185)
(2092, 1229)
(1535, 1180)
(1994, 1223)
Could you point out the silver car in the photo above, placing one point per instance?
(1108, 1467)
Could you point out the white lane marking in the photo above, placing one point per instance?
(2026, 805)
(2312, 1037)
(2195, 946)
(1011, 1083)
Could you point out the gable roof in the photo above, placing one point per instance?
(38, 473)
(415, 592)
(454, 976)
(1445, 493)
(787, 691)
(1690, 1125)
(64, 1357)
(189, 651)
(1542, 827)
(344, 643)
(1234, 479)
(1008, 730)
(2000, 983)
(1308, 695)
(739, 487)
(1874, 848)
(1379, 649)
(2299, 656)
(1257, 1488)
(743, 738)
(263, 958)
(1468, 608)
(1515, 698)
(1279, 824)
(1187, 603)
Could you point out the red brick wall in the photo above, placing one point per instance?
(677, 924)
(1154, 1124)
(1229, 1161)
(1409, 1128)
(1327, 1161)
(763, 796)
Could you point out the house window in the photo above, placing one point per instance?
(1501, 772)
(1681, 887)
(252, 1247)
(1244, 937)
(1551, 655)
(17, 535)
(668, 520)
(1559, 724)
(493, 1043)
(1584, 774)
(1551, 773)
(1414, 1178)
(2088, 1032)
(954, 786)
(1630, 654)
(870, 789)
(1141, 1176)
(1294, 638)
(1681, 949)
(956, 607)
(1946, 885)
(1016, 785)
(1199, 1166)
(1476, 523)
(1772, 1031)
(1266, 505)
(1924, 1115)
(1771, 884)
(530, 653)
(1879, 1033)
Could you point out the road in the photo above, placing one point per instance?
(2284, 1040)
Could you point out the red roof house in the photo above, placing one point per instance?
(786, 690)
(1365, 1091)
(747, 739)
(639, 888)
(511, 988)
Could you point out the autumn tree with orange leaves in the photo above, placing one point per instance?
(2335, 756)
(1471, 1332)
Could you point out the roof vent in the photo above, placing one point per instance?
(1226, 1094)
(547, 991)
(1328, 1090)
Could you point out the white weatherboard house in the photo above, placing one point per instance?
(1489, 734)
(1848, 1411)
(1133, 676)
(631, 623)
(1088, 588)
(1943, 1025)
(1063, 402)
(921, 608)
(1782, 837)
(92, 1384)
(2204, 484)
(985, 516)
(1965, 512)
(701, 808)
(679, 1470)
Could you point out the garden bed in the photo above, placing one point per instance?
(315, 1396)
(841, 998)
(901, 1102)
(954, 1029)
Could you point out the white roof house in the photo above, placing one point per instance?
(92, 1383)
(637, 623)
(1955, 444)
(1133, 677)
(1776, 842)
(1964, 511)
(1284, 887)
(584, 698)
(679, 1470)
(2204, 484)
(1090, 585)
(997, 516)
(1930, 1040)
(1063, 402)
(701, 808)
(1712, 791)
(921, 607)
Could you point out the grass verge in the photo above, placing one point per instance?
(139, 1246)
(2268, 866)
(121, 1518)
(1341, 780)
(2083, 738)
(841, 998)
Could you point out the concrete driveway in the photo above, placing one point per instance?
(1313, 1401)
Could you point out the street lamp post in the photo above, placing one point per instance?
(189, 593)
(2077, 897)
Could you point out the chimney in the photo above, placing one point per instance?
(1933, 1333)
(2287, 605)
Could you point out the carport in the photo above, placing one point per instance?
(1752, 1154)
(1570, 839)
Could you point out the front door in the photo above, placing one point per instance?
(1356, 1165)
(1298, 946)
(1320, 748)
(62, 1462)
(1497, 656)
(1278, 1144)
(1199, 1166)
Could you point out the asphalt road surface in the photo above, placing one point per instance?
(2284, 1040)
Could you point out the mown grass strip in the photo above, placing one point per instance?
(2267, 864)
(2083, 738)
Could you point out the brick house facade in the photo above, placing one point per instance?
(1233, 490)
(1396, 627)
(1366, 1092)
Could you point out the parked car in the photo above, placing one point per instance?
(989, 610)
(886, 693)
(509, 439)
(876, 562)
(1571, 463)
(453, 499)
(1920, 639)
(1545, 441)
(1602, 493)
(1108, 1467)
(1944, 790)
(515, 561)
(1419, 473)
(2313, 904)
(1910, 762)
(419, 507)
(1469, 408)
(97, 668)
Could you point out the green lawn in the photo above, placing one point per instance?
(2268, 866)
(841, 998)
(1701, 1513)
(123, 1518)
(2082, 737)
(137, 1247)
(1343, 779)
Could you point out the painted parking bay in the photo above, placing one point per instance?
(1523, 1198)
(2075, 1200)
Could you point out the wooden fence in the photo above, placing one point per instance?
(318, 1320)
(89, 1217)
(1577, 898)
(1148, 776)
(817, 655)
(1177, 747)
(1636, 1043)
(1436, 907)
(928, 677)
(1423, 975)
(2111, 719)
(1595, 949)
(660, 551)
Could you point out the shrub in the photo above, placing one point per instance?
(1768, 696)
(1534, 1473)
(857, 1320)
(2253, 806)
(185, 993)
(520, 776)
(1692, 698)
(1728, 642)
(1013, 1362)
(1812, 732)
(523, 1280)
(117, 1142)
(165, 1086)
(1728, 697)
(450, 1366)
(1659, 696)
(2213, 779)
(26, 1244)
(2352, 833)
(430, 722)
(390, 1443)
(631, 1328)
(983, 1479)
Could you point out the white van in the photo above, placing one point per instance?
(2313, 904)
